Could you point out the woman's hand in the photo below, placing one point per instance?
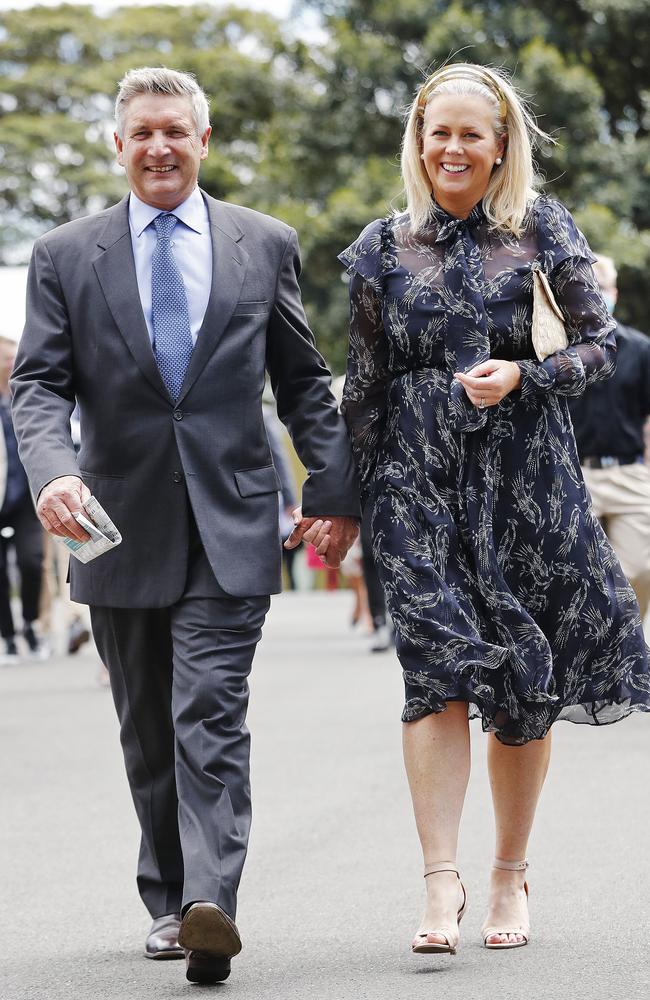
(490, 382)
(331, 537)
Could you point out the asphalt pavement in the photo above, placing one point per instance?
(332, 890)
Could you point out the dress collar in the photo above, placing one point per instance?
(450, 225)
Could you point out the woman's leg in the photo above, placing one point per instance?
(437, 759)
(516, 777)
(360, 612)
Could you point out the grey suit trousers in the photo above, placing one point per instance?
(179, 677)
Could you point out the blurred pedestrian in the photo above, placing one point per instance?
(71, 617)
(352, 570)
(160, 316)
(608, 421)
(20, 529)
(58, 614)
(508, 601)
(381, 639)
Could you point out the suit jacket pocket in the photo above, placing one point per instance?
(252, 482)
(104, 486)
(252, 308)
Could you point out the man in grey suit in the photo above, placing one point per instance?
(160, 316)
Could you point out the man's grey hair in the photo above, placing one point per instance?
(160, 80)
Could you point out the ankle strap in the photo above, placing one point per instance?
(440, 866)
(510, 866)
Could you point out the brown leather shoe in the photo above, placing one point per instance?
(162, 940)
(208, 929)
(202, 968)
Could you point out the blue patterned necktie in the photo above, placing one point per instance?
(170, 314)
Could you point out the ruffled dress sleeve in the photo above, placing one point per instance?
(565, 258)
(366, 381)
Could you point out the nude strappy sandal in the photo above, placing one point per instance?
(523, 929)
(421, 945)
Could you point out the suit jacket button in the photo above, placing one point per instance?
(177, 477)
(178, 414)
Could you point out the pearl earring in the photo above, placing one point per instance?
(498, 161)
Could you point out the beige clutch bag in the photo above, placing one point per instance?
(549, 333)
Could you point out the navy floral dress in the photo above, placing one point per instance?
(501, 584)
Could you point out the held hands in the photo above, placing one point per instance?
(490, 382)
(58, 501)
(331, 537)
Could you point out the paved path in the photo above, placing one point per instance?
(332, 890)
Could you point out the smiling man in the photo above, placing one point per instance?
(160, 316)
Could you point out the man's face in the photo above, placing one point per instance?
(609, 292)
(161, 150)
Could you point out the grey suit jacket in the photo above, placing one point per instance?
(86, 338)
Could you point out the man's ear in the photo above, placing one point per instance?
(205, 139)
(119, 147)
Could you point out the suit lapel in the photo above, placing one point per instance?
(115, 269)
(229, 262)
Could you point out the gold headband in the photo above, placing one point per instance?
(462, 71)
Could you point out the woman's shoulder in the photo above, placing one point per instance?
(557, 233)
(364, 255)
(544, 206)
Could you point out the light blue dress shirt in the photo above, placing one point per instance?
(192, 245)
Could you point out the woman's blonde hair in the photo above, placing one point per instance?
(510, 188)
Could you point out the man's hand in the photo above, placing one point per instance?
(490, 382)
(331, 537)
(58, 502)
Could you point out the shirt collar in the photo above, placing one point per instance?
(192, 212)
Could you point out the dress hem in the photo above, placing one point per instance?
(581, 713)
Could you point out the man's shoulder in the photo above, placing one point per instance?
(632, 336)
(78, 230)
(250, 221)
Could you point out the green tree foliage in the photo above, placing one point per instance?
(309, 128)
(582, 64)
(60, 67)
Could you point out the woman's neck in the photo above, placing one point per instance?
(460, 210)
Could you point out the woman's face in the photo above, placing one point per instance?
(459, 149)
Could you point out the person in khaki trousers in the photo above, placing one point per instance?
(609, 421)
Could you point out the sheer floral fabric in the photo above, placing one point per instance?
(502, 586)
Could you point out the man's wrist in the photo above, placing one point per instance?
(56, 479)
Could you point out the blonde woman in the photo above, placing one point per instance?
(508, 602)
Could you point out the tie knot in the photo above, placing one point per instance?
(164, 224)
